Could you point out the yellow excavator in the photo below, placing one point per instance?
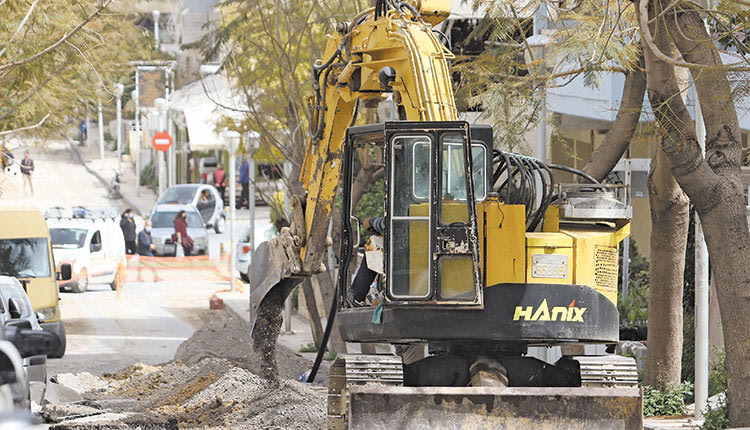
(483, 254)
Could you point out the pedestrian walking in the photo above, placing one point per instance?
(27, 168)
(146, 253)
(181, 236)
(220, 179)
(128, 231)
(245, 183)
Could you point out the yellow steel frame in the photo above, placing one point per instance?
(422, 87)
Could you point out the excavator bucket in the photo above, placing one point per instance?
(378, 406)
(269, 277)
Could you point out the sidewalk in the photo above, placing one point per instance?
(141, 199)
(238, 304)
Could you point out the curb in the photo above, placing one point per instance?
(231, 307)
(104, 182)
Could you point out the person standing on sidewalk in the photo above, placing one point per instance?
(180, 236)
(220, 180)
(245, 183)
(128, 231)
(145, 249)
(27, 168)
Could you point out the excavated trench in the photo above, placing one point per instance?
(217, 380)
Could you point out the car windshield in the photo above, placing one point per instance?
(70, 238)
(24, 258)
(179, 195)
(11, 291)
(166, 220)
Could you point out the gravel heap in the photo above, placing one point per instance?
(212, 383)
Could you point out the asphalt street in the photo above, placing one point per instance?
(150, 320)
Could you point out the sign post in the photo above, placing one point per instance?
(161, 141)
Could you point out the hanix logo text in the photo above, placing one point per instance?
(571, 313)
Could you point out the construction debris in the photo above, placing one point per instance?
(212, 383)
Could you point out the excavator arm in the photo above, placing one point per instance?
(384, 50)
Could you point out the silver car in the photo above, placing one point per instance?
(264, 231)
(205, 198)
(162, 220)
(16, 306)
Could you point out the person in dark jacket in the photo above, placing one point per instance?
(128, 231)
(180, 235)
(356, 295)
(245, 182)
(146, 249)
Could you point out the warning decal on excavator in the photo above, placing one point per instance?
(570, 313)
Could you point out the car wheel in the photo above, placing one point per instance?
(221, 225)
(82, 284)
(63, 343)
(244, 278)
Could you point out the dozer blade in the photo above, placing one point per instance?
(375, 406)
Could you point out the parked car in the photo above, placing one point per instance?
(264, 231)
(91, 241)
(25, 240)
(162, 220)
(18, 308)
(211, 207)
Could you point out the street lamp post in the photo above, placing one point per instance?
(161, 107)
(232, 139)
(156, 14)
(137, 139)
(251, 145)
(119, 88)
(101, 131)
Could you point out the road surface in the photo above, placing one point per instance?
(150, 320)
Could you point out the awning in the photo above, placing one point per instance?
(201, 124)
(202, 113)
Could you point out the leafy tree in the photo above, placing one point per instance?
(58, 56)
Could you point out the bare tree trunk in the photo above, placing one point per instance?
(312, 309)
(326, 292)
(715, 187)
(670, 218)
(618, 137)
(713, 184)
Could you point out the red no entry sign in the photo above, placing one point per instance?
(161, 141)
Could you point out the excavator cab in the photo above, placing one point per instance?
(429, 254)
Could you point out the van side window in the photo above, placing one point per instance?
(96, 242)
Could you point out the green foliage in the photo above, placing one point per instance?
(309, 347)
(267, 48)
(670, 401)
(634, 308)
(71, 75)
(716, 419)
(148, 176)
(688, 347)
(717, 376)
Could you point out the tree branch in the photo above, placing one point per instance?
(62, 40)
(3, 133)
(35, 90)
(618, 137)
(20, 26)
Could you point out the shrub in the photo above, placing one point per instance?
(716, 419)
(670, 401)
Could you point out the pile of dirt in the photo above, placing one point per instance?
(213, 382)
(229, 338)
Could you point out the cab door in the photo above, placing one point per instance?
(432, 251)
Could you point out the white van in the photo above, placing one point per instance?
(91, 241)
